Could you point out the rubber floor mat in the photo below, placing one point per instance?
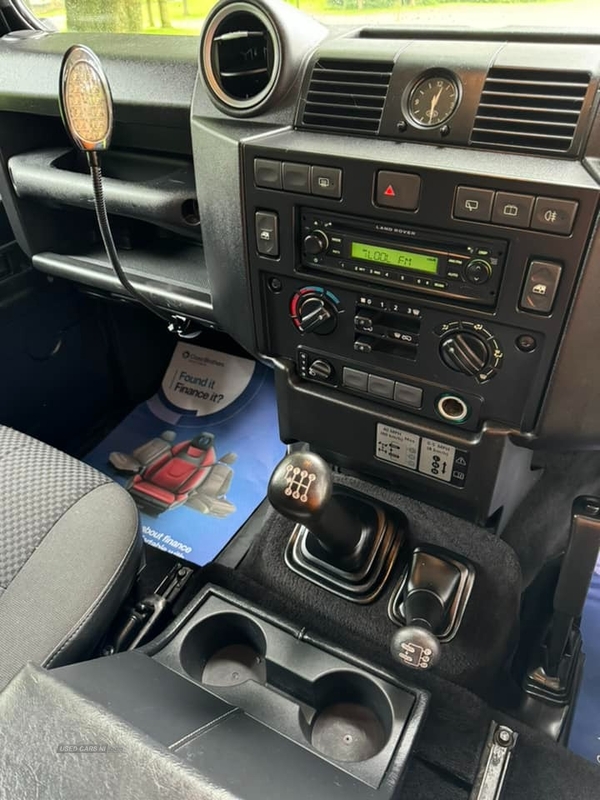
(197, 456)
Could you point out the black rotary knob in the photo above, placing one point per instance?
(465, 352)
(316, 315)
(320, 370)
(315, 243)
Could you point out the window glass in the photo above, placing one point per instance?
(185, 17)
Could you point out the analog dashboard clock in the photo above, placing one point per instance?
(433, 100)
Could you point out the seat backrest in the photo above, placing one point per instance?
(218, 481)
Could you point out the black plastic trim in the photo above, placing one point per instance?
(152, 188)
(187, 293)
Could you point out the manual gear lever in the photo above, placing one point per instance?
(301, 488)
(342, 541)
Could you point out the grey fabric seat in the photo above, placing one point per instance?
(69, 549)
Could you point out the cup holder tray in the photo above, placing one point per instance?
(358, 722)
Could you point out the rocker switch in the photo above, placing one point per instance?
(267, 233)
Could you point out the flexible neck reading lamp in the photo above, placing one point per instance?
(87, 111)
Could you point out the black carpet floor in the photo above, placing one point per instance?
(447, 756)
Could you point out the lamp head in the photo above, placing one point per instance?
(85, 100)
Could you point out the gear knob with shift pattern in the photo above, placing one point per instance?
(431, 601)
(342, 541)
(301, 488)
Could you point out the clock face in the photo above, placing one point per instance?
(433, 101)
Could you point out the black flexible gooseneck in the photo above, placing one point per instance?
(108, 241)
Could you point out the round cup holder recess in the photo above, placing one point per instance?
(353, 719)
(225, 649)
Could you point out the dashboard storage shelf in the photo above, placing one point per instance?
(153, 188)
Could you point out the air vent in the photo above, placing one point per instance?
(241, 57)
(530, 110)
(347, 95)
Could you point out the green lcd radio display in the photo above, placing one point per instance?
(390, 257)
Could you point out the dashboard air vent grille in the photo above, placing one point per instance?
(240, 57)
(347, 96)
(530, 110)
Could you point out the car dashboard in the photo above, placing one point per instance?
(402, 223)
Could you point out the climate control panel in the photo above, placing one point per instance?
(403, 353)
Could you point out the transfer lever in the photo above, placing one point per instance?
(430, 589)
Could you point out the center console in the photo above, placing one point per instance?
(427, 299)
(257, 706)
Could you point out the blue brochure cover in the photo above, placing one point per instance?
(197, 456)
(585, 733)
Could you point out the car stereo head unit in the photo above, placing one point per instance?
(435, 262)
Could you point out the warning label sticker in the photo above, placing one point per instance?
(437, 460)
(396, 446)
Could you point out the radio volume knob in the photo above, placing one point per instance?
(315, 243)
(465, 352)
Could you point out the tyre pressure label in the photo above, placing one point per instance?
(428, 456)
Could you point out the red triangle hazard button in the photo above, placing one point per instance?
(389, 192)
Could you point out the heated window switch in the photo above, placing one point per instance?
(541, 286)
(266, 224)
